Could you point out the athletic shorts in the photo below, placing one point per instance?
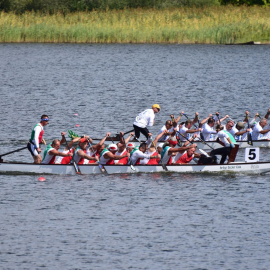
(32, 149)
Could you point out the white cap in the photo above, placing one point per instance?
(113, 147)
(160, 145)
(130, 145)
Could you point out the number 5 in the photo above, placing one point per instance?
(252, 154)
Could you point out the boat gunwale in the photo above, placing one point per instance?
(139, 165)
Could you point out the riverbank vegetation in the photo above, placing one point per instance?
(67, 6)
(210, 24)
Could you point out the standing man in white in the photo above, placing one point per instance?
(144, 119)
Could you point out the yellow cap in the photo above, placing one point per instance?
(156, 106)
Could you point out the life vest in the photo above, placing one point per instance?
(184, 159)
(48, 159)
(105, 161)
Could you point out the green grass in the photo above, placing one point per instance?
(215, 25)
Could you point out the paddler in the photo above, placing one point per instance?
(169, 131)
(186, 129)
(187, 156)
(152, 150)
(169, 151)
(138, 153)
(144, 119)
(80, 153)
(227, 140)
(52, 151)
(36, 139)
(67, 159)
(108, 155)
(98, 148)
(123, 149)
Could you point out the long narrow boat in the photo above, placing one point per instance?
(235, 167)
(209, 144)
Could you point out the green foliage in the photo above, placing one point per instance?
(53, 6)
(245, 2)
(217, 25)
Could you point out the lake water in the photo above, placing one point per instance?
(143, 221)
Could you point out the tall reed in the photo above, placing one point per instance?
(216, 25)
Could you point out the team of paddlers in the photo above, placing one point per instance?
(161, 150)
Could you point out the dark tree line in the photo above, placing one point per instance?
(52, 6)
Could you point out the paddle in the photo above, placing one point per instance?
(75, 165)
(126, 132)
(13, 151)
(249, 138)
(129, 159)
(163, 165)
(101, 167)
(188, 118)
(217, 114)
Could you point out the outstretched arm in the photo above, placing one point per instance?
(196, 118)
(206, 119)
(267, 114)
(101, 142)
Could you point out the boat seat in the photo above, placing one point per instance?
(233, 153)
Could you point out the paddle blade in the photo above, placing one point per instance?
(77, 170)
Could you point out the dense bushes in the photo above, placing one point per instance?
(64, 6)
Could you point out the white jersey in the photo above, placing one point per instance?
(209, 134)
(256, 135)
(48, 159)
(223, 137)
(183, 131)
(232, 131)
(266, 136)
(145, 118)
(137, 154)
(164, 137)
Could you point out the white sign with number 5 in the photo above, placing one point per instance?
(252, 154)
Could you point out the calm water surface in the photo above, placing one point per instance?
(144, 221)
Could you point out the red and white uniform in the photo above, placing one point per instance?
(36, 138)
(124, 160)
(165, 156)
(149, 161)
(184, 159)
(77, 158)
(90, 153)
(137, 156)
(48, 159)
(105, 161)
(64, 160)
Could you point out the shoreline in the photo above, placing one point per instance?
(215, 25)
